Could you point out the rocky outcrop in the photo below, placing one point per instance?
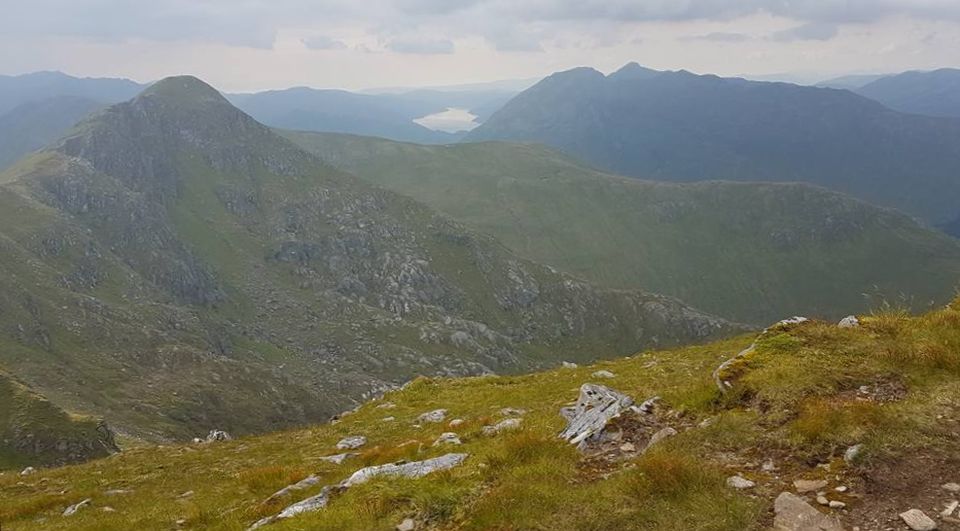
(595, 407)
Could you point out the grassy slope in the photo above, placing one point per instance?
(793, 401)
(31, 427)
(753, 252)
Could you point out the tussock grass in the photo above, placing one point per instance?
(799, 397)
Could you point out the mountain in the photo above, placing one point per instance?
(175, 266)
(851, 82)
(865, 415)
(680, 126)
(752, 252)
(33, 125)
(33, 431)
(935, 93)
(386, 115)
(39, 86)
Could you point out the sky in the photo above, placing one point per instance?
(248, 45)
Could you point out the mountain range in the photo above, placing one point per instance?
(934, 93)
(678, 126)
(175, 266)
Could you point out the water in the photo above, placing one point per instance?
(451, 120)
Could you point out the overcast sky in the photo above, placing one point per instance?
(243, 45)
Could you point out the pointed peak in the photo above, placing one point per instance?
(633, 70)
(183, 89)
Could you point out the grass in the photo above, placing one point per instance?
(800, 407)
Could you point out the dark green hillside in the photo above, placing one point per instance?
(679, 126)
(749, 251)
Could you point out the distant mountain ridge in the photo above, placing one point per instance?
(934, 93)
(680, 126)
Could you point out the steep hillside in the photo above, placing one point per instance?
(176, 266)
(748, 251)
(35, 432)
(684, 127)
(864, 417)
(935, 93)
(33, 125)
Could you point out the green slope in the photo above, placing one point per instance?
(801, 398)
(35, 432)
(749, 251)
(176, 267)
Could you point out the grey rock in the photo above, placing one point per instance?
(809, 485)
(852, 453)
(305, 483)
(447, 438)
(27, 471)
(739, 482)
(952, 506)
(793, 513)
(849, 321)
(218, 436)
(918, 520)
(834, 504)
(502, 426)
(415, 469)
(338, 459)
(952, 487)
(434, 416)
(822, 500)
(456, 422)
(658, 437)
(72, 510)
(408, 524)
(311, 504)
(569, 365)
(513, 412)
(351, 443)
(604, 374)
(595, 407)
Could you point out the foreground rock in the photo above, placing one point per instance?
(849, 321)
(352, 443)
(793, 513)
(218, 436)
(595, 407)
(918, 521)
(412, 470)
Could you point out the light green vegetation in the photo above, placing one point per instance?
(752, 252)
(793, 400)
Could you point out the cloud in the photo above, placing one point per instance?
(718, 36)
(421, 46)
(322, 42)
(814, 31)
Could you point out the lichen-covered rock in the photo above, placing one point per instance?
(447, 438)
(594, 409)
(218, 436)
(502, 426)
(793, 513)
(434, 416)
(351, 443)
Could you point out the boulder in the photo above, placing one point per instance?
(72, 510)
(849, 321)
(338, 459)
(434, 416)
(604, 374)
(27, 471)
(595, 407)
(415, 469)
(739, 482)
(504, 425)
(351, 443)
(918, 521)
(658, 437)
(218, 436)
(305, 483)
(809, 485)
(447, 438)
(793, 513)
